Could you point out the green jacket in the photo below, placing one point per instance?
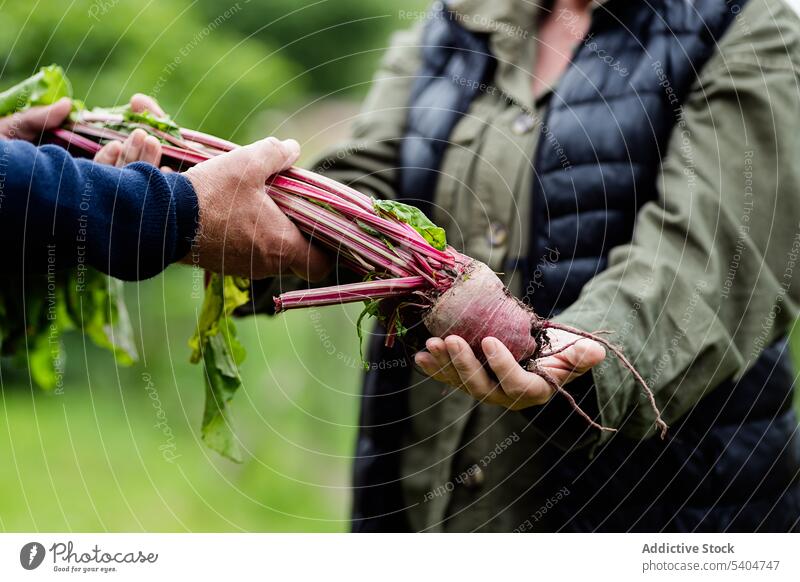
(703, 287)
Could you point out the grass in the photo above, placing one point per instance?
(93, 458)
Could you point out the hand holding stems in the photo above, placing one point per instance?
(451, 361)
(31, 123)
(242, 231)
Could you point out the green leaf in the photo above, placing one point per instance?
(148, 118)
(400, 329)
(96, 305)
(129, 117)
(35, 316)
(371, 309)
(45, 360)
(44, 88)
(414, 217)
(222, 382)
(367, 228)
(216, 344)
(222, 296)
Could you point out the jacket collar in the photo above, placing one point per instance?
(512, 26)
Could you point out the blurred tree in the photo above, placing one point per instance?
(338, 42)
(194, 61)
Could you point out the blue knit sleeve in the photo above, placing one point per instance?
(128, 222)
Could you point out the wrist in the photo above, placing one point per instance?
(187, 215)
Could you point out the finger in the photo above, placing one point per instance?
(311, 263)
(445, 372)
(141, 102)
(166, 170)
(585, 355)
(271, 155)
(431, 367)
(109, 153)
(132, 148)
(574, 361)
(473, 375)
(151, 151)
(50, 116)
(522, 387)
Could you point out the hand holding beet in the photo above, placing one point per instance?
(453, 362)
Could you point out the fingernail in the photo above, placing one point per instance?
(292, 148)
(452, 344)
(489, 347)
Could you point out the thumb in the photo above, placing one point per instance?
(141, 102)
(272, 155)
(38, 119)
(584, 355)
(502, 361)
(574, 361)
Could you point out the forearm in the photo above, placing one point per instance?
(130, 223)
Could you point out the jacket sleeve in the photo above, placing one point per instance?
(709, 279)
(127, 222)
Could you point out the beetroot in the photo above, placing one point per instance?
(472, 308)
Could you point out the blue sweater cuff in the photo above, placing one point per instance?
(170, 214)
(187, 213)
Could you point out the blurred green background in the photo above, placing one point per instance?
(93, 458)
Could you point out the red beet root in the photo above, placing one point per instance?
(477, 305)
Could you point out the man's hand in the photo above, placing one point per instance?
(242, 231)
(31, 123)
(452, 361)
(139, 147)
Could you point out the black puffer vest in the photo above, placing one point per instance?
(736, 462)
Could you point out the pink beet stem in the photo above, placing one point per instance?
(99, 132)
(337, 228)
(395, 230)
(73, 139)
(208, 140)
(332, 186)
(349, 293)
